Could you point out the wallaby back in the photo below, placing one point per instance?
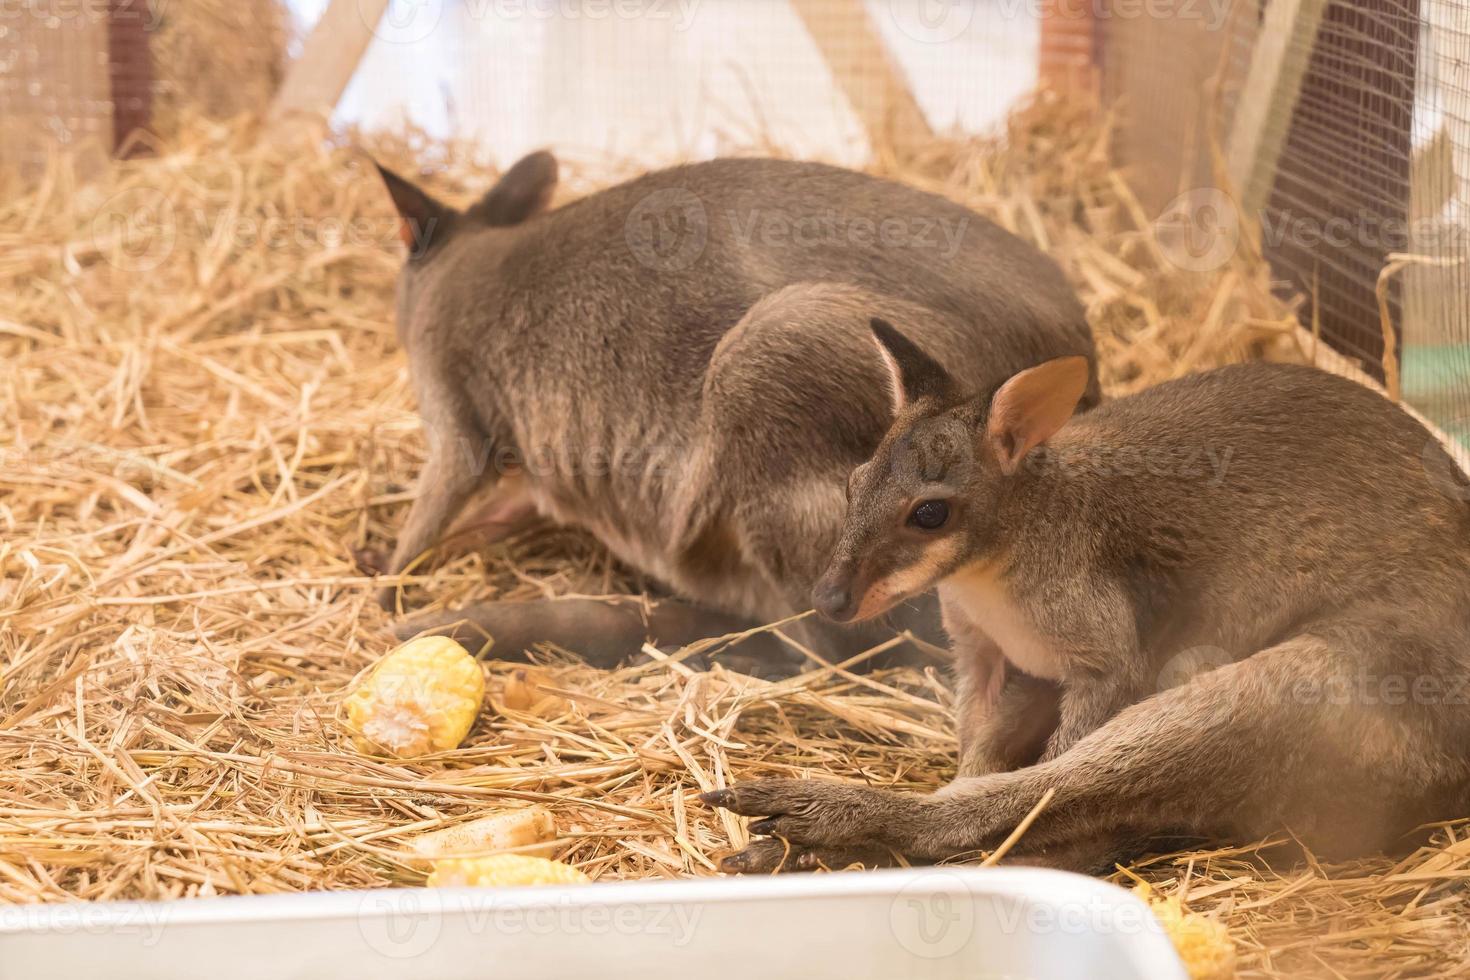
(679, 363)
(1241, 505)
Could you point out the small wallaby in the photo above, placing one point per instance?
(682, 365)
(1230, 605)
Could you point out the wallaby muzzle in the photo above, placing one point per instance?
(833, 597)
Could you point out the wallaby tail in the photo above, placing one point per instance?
(605, 632)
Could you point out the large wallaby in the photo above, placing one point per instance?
(1229, 605)
(682, 364)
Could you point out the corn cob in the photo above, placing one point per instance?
(421, 698)
(1202, 943)
(504, 871)
(500, 832)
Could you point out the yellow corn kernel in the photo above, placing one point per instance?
(524, 828)
(421, 698)
(504, 871)
(1202, 943)
(524, 690)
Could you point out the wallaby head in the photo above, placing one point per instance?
(926, 503)
(427, 226)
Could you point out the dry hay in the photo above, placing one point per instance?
(215, 58)
(203, 413)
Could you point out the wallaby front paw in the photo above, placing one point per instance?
(811, 811)
(771, 855)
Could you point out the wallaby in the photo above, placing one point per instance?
(1229, 605)
(682, 364)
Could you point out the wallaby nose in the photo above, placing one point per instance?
(832, 598)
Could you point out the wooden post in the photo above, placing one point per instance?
(329, 58)
(130, 69)
(865, 71)
(1283, 49)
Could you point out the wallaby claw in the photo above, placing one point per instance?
(775, 856)
(811, 811)
(724, 799)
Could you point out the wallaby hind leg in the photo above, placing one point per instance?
(1239, 753)
(604, 632)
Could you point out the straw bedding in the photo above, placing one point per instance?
(203, 413)
(217, 58)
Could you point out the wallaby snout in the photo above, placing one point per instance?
(833, 595)
(929, 499)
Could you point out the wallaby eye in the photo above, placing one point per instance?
(930, 515)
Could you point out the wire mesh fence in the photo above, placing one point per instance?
(1363, 217)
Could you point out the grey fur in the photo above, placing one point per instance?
(682, 365)
(1279, 643)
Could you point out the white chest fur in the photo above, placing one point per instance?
(981, 596)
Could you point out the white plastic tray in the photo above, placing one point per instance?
(996, 924)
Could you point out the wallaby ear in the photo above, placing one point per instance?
(912, 374)
(420, 217)
(1030, 407)
(524, 190)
